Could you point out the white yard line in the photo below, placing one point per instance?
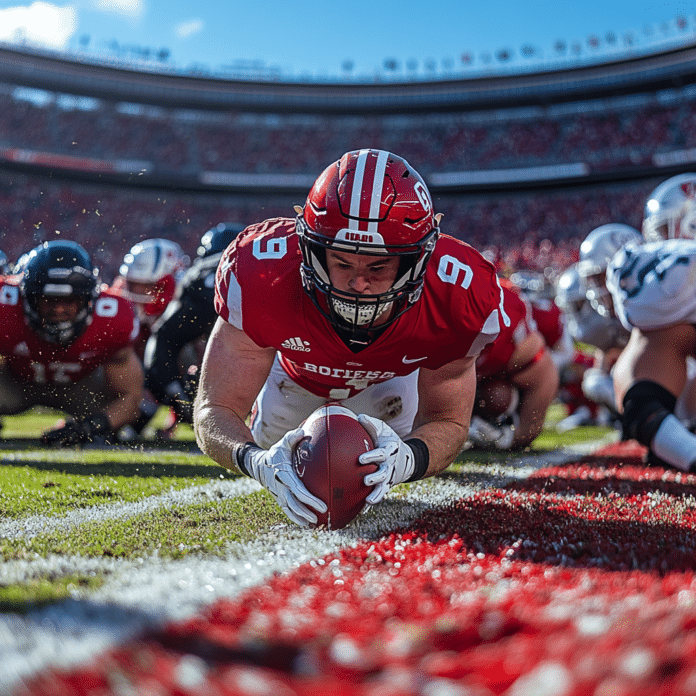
(33, 525)
(145, 593)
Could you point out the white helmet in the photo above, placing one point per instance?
(158, 262)
(584, 323)
(570, 292)
(602, 243)
(596, 251)
(670, 211)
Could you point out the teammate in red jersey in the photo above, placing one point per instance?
(358, 300)
(67, 346)
(148, 278)
(520, 357)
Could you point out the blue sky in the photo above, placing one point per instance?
(313, 39)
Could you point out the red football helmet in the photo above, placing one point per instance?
(368, 202)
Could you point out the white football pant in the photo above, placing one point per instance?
(282, 405)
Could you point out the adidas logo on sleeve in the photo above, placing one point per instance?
(296, 344)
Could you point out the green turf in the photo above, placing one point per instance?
(173, 532)
(38, 481)
(32, 423)
(56, 481)
(24, 597)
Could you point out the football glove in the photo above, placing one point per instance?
(78, 431)
(273, 469)
(485, 435)
(395, 458)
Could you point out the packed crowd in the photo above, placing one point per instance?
(611, 334)
(609, 134)
(547, 226)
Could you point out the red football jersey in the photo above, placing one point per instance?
(259, 290)
(549, 320)
(119, 288)
(494, 358)
(32, 359)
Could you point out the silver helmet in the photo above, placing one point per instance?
(670, 210)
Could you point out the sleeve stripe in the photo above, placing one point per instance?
(234, 302)
(488, 333)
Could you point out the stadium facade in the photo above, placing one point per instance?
(546, 155)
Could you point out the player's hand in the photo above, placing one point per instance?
(395, 458)
(273, 469)
(491, 436)
(77, 431)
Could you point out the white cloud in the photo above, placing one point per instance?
(186, 29)
(128, 8)
(39, 23)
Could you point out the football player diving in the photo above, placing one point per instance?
(359, 299)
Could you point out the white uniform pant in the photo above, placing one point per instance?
(282, 405)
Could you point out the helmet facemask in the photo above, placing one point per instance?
(153, 302)
(361, 314)
(60, 332)
(374, 203)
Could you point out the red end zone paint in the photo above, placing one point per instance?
(579, 580)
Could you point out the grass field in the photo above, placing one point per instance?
(103, 549)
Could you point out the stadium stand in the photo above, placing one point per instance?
(109, 156)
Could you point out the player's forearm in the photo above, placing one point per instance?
(538, 386)
(532, 412)
(444, 440)
(531, 421)
(124, 377)
(219, 432)
(124, 409)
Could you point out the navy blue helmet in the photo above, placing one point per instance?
(59, 269)
(218, 238)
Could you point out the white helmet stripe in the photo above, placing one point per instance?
(357, 190)
(377, 187)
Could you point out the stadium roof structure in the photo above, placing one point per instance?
(55, 72)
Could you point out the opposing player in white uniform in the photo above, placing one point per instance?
(360, 300)
(654, 291)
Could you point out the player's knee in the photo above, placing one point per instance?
(645, 406)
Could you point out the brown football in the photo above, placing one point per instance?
(495, 397)
(326, 460)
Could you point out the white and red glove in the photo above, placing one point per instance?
(396, 458)
(273, 469)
